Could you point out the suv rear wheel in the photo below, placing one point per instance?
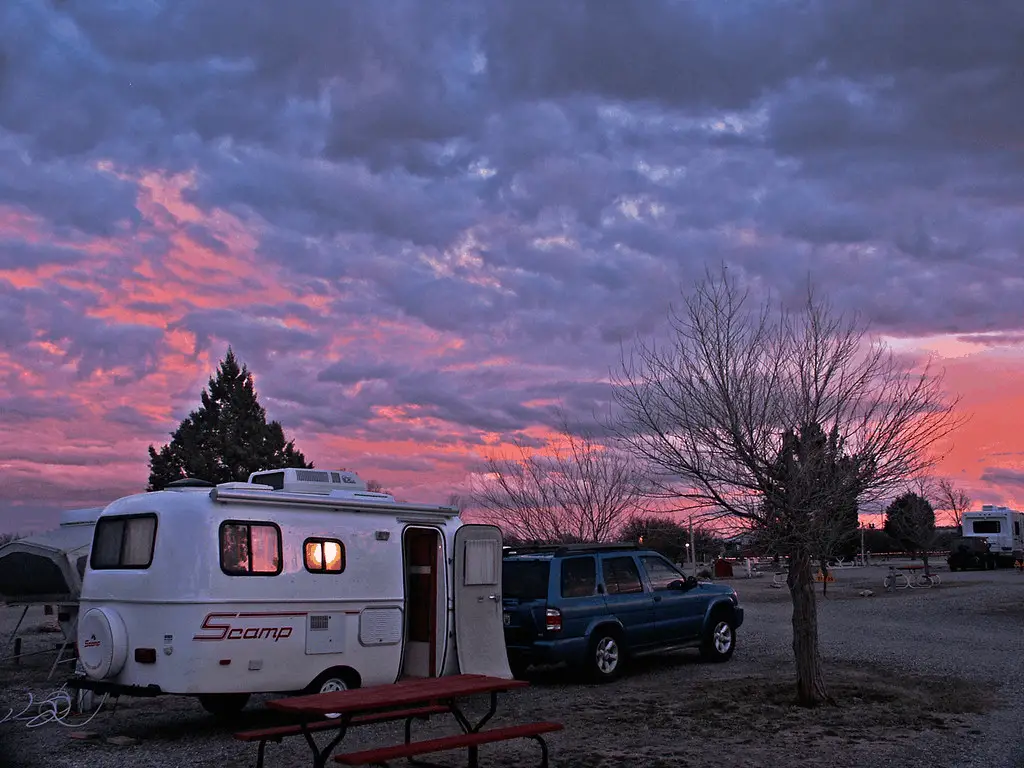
(719, 640)
(606, 655)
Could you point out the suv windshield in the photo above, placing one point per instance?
(525, 579)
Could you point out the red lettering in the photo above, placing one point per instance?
(209, 625)
(224, 631)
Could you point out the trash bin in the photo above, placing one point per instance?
(723, 568)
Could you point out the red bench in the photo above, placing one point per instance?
(471, 741)
(279, 732)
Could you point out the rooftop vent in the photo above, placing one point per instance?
(300, 480)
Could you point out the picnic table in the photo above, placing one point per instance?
(406, 700)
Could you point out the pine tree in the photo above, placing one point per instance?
(226, 438)
(910, 519)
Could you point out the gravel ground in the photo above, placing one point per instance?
(924, 677)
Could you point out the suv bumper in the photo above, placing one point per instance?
(737, 611)
(569, 650)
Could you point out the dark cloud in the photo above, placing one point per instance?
(1003, 476)
(460, 211)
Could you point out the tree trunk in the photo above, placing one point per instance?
(810, 677)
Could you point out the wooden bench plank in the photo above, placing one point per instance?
(383, 754)
(278, 732)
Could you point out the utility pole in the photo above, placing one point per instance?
(863, 557)
(693, 549)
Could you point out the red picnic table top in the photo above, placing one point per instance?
(394, 694)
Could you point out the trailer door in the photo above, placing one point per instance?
(479, 633)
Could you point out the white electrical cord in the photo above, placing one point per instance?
(56, 707)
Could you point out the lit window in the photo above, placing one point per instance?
(250, 549)
(324, 555)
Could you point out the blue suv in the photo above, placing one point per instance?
(593, 605)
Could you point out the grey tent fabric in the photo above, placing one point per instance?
(48, 567)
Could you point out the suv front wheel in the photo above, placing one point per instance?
(606, 656)
(719, 638)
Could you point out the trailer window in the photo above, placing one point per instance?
(250, 549)
(324, 555)
(986, 526)
(123, 541)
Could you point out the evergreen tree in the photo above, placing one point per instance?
(226, 438)
(910, 519)
(813, 494)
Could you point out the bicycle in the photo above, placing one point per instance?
(894, 578)
(928, 580)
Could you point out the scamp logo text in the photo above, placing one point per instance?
(92, 642)
(221, 626)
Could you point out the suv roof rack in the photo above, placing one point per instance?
(565, 549)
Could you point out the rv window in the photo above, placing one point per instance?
(250, 549)
(324, 555)
(124, 542)
(986, 526)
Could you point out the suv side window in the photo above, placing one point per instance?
(621, 575)
(579, 577)
(659, 572)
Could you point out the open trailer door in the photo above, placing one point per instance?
(479, 633)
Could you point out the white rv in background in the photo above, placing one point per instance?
(1002, 527)
(297, 580)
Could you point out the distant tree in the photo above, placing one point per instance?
(7, 538)
(669, 537)
(374, 486)
(582, 491)
(953, 500)
(910, 520)
(226, 438)
(877, 540)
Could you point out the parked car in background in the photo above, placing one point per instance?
(593, 606)
(971, 552)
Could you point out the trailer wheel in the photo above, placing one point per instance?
(334, 679)
(223, 704)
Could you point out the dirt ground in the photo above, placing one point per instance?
(892, 705)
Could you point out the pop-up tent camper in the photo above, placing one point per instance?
(47, 568)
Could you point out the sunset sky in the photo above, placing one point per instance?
(424, 225)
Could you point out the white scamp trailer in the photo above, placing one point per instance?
(297, 580)
(1002, 527)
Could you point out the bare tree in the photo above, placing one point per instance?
(740, 386)
(582, 491)
(953, 500)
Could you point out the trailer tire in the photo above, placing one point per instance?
(223, 704)
(334, 679)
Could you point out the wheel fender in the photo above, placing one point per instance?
(603, 623)
(723, 604)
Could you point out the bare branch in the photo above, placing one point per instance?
(583, 490)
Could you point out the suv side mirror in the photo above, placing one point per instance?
(682, 585)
